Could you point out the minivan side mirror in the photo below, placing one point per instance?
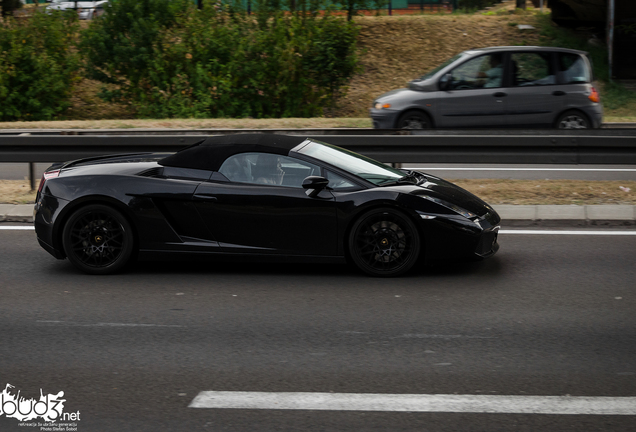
(444, 82)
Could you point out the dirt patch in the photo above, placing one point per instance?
(564, 192)
(287, 123)
(16, 192)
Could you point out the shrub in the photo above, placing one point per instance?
(38, 66)
(220, 62)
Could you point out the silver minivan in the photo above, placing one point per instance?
(497, 87)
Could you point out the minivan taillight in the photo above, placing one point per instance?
(594, 97)
(47, 175)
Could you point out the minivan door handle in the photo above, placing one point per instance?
(558, 93)
(500, 94)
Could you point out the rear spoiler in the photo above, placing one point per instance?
(95, 158)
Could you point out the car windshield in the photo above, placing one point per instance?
(358, 165)
(440, 67)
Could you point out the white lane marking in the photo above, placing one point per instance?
(2, 227)
(553, 232)
(76, 324)
(556, 232)
(522, 169)
(576, 405)
(436, 336)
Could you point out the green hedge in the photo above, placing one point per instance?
(38, 66)
(170, 60)
(165, 58)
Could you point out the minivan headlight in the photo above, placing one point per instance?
(379, 105)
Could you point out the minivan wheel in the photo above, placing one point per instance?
(414, 119)
(573, 120)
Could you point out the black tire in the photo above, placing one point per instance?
(384, 242)
(414, 119)
(98, 239)
(573, 120)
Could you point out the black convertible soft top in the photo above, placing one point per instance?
(212, 152)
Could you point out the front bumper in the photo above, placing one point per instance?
(455, 237)
(384, 118)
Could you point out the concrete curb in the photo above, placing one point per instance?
(16, 213)
(510, 214)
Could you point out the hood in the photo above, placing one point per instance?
(452, 193)
(393, 94)
(426, 85)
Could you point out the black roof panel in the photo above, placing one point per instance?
(211, 153)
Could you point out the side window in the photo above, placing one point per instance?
(573, 69)
(482, 72)
(266, 168)
(337, 181)
(531, 69)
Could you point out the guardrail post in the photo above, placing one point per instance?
(32, 175)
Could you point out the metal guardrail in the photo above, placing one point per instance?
(520, 147)
(421, 148)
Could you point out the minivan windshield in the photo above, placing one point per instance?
(432, 72)
(358, 165)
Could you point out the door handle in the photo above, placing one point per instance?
(558, 93)
(500, 94)
(203, 197)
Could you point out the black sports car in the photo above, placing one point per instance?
(262, 196)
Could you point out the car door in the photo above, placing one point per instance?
(534, 97)
(263, 209)
(474, 96)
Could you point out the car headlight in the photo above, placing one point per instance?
(451, 206)
(379, 105)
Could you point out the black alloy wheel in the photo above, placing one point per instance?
(572, 120)
(414, 119)
(98, 239)
(384, 242)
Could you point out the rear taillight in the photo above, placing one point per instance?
(594, 97)
(47, 175)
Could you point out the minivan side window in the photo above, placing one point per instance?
(481, 72)
(532, 69)
(572, 69)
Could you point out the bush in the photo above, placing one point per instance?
(37, 66)
(220, 62)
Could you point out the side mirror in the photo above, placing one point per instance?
(444, 82)
(314, 184)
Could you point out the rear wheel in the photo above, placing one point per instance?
(98, 239)
(384, 242)
(573, 120)
(414, 119)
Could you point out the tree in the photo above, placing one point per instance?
(8, 6)
(521, 4)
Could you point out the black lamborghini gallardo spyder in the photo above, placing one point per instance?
(257, 196)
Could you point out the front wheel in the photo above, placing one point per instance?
(414, 119)
(384, 242)
(98, 239)
(572, 120)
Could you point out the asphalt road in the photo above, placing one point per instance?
(549, 315)
(19, 171)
